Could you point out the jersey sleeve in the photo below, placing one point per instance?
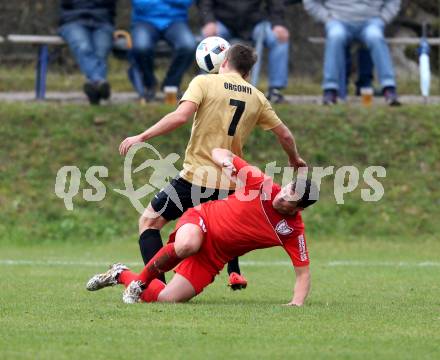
(249, 176)
(296, 248)
(196, 90)
(268, 119)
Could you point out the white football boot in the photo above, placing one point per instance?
(109, 278)
(132, 294)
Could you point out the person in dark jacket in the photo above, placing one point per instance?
(153, 20)
(253, 20)
(87, 27)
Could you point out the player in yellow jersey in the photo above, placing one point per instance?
(226, 109)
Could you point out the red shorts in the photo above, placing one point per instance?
(197, 269)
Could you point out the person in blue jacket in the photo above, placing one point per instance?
(153, 20)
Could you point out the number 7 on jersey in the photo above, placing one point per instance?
(237, 115)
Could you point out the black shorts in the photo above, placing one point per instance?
(180, 195)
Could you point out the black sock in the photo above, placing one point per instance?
(150, 242)
(233, 266)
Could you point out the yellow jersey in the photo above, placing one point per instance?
(228, 109)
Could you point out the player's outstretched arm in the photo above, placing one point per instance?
(168, 123)
(302, 286)
(287, 141)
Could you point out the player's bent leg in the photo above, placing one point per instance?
(165, 206)
(165, 260)
(189, 239)
(150, 241)
(178, 290)
(150, 219)
(184, 241)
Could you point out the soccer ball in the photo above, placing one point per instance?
(211, 52)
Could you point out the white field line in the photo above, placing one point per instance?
(273, 263)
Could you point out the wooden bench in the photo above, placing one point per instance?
(44, 41)
(390, 41)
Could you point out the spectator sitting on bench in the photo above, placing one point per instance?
(364, 21)
(247, 20)
(153, 20)
(87, 27)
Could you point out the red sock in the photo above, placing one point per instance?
(165, 260)
(126, 277)
(151, 293)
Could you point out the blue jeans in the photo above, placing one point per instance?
(278, 67)
(178, 35)
(371, 33)
(90, 47)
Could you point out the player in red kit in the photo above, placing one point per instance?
(260, 214)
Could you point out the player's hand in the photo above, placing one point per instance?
(281, 33)
(210, 29)
(128, 143)
(228, 165)
(297, 163)
(229, 168)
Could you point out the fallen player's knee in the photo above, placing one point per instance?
(186, 247)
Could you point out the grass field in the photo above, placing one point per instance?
(370, 299)
(375, 266)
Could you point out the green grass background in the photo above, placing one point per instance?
(38, 139)
(20, 77)
(384, 303)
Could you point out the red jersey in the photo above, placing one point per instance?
(246, 221)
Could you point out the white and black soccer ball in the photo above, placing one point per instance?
(211, 52)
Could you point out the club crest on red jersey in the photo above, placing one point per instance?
(283, 228)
